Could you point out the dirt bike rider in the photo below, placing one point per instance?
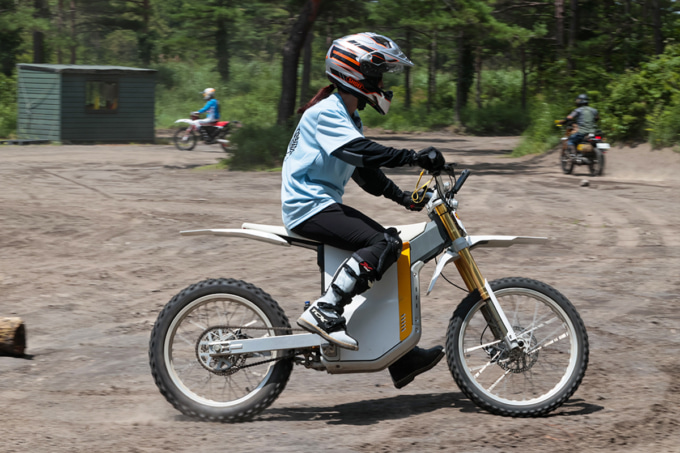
(326, 150)
(212, 112)
(586, 119)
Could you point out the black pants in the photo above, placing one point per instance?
(348, 229)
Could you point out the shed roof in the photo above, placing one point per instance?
(83, 69)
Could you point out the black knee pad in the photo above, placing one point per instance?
(387, 248)
(391, 252)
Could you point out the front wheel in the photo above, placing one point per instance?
(192, 371)
(185, 139)
(533, 379)
(596, 163)
(566, 161)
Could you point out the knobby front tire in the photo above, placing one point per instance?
(185, 140)
(532, 380)
(192, 374)
(566, 162)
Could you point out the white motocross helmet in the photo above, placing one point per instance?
(208, 93)
(357, 62)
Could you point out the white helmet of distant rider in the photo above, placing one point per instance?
(208, 93)
(356, 63)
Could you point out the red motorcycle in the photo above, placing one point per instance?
(186, 137)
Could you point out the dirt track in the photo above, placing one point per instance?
(91, 252)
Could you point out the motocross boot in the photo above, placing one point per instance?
(413, 363)
(324, 316)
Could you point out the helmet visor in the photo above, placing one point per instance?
(376, 63)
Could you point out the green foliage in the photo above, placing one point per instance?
(8, 105)
(257, 147)
(664, 130)
(542, 134)
(250, 97)
(645, 103)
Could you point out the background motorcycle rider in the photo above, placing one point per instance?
(327, 148)
(212, 111)
(586, 119)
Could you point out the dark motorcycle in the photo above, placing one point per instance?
(187, 136)
(590, 151)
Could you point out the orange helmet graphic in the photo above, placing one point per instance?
(208, 93)
(357, 62)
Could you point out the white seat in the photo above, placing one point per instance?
(407, 232)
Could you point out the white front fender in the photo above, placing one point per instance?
(479, 241)
(185, 121)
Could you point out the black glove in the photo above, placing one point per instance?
(408, 203)
(430, 158)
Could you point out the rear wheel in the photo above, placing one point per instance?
(566, 161)
(223, 136)
(185, 139)
(191, 369)
(596, 163)
(533, 379)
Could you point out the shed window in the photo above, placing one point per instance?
(101, 96)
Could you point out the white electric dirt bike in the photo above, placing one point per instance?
(223, 349)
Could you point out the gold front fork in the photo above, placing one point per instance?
(472, 276)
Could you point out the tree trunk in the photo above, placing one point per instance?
(222, 48)
(478, 76)
(306, 70)
(559, 25)
(41, 12)
(465, 76)
(432, 73)
(12, 336)
(144, 41)
(407, 72)
(74, 46)
(658, 36)
(573, 30)
(60, 27)
(291, 57)
(523, 51)
(459, 80)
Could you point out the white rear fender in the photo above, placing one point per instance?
(479, 241)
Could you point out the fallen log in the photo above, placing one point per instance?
(12, 337)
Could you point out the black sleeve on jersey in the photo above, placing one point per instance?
(363, 152)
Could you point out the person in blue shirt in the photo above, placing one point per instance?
(328, 149)
(211, 110)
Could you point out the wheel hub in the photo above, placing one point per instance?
(210, 355)
(520, 359)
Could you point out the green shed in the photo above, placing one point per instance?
(78, 103)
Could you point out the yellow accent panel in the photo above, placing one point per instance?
(404, 278)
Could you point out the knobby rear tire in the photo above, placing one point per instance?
(535, 381)
(218, 389)
(596, 165)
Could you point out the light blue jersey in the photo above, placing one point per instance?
(312, 179)
(212, 110)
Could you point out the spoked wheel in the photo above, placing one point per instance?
(185, 139)
(192, 370)
(596, 163)
(535, 378)
(566, 161)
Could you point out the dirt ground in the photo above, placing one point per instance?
(91, 252)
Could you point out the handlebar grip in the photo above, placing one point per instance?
(461, 180)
